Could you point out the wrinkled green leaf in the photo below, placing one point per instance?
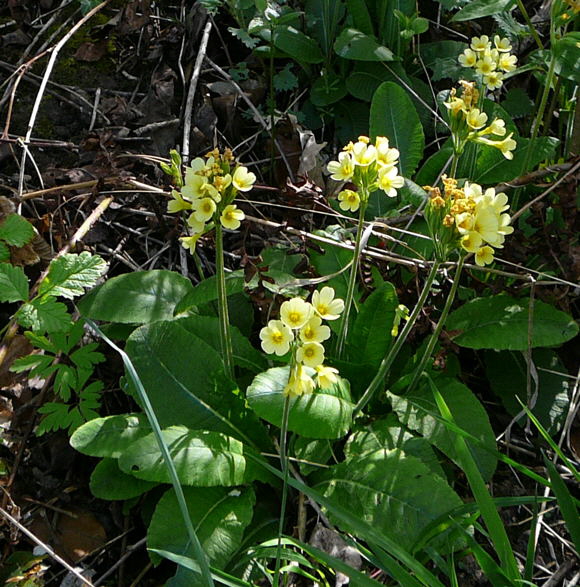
(136, 298)
(481, 8)
(201, 458)
(16, 231)
(321, 414)
(404, 132)
(501, 322)
(109, 482)
(44, 315)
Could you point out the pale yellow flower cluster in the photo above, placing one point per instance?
(489, 61)
(369, 167)
(469, 217)
(469, 123)
(301, 330)
(208, 192)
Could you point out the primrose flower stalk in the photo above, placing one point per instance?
(208, 192)
(370, 167)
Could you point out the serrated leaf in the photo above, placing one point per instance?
(13, 283)
(243, 36)
(16, 231)
(404, 133)
(4, 252)
(415, 413)
(285, 79)
(481, 8)
(201, 458)
(110, 436)
(86, 357)
(44, 315)
(34, 363)
(394, 492)
(219, 517)
(322, 414)
(70, 275)
(136, 298)
(109, 482)
(355, 45)
(517, 103)
(501, 322)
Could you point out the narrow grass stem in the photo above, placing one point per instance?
(353, 277)
(225, 340)
(400, 340)
(285, 473)
(530, 24)
(435, 336)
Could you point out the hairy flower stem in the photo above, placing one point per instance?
(225, 340)
(285, 473)
(435, 336)
(398, 343)
(353, 276)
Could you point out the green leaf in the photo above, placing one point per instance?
(285, 80)
(201, 458)
(13, 283)
(431, 169)
(418, 410)
(388, 434)
(16, 231)
(206, 291)
(70, 275)
(110, 436)
(219, 516)
(517, 103)
(493, 167)
(507, 374)
(136, 298)
(4, 252)
(300, 47)
(109, 482)
(394, 492)
(567, 53)
(44, 315)
(58, 416)
(186, 382)
(501, 322)
(35, 363)
(327, 89)
(404, 132)
(371, 333)
(86, 357)
(321, 414)
(357, 9)
(355, 45)
(481, 8)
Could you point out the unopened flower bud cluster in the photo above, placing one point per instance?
(210, 187)
(489, 61)
(469, 123)
(301, 330)
(469, 218)
(369, 167)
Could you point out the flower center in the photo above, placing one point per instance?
(294, 317)
(277, 337)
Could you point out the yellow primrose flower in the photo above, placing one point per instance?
(471, 242)
(203, 209)
(464, 222)
(296, 312)
(326, 376)
(276, 338)
(364, 139)
(468, 58)
(507, 62)
(325, 305)
(197, 166)
(189, 242)
(386, 157)
(480, 43)
(299, 383)
(178, 203)
(389, 181)
(472, 190)
(349, 200)
(497, 127)
(485, 66)
(476, 119)
(222, 182)
(506, 146)
(363, 154)
(456, 105)
(243, 179)
(199, 187)
(197, 226)
(314, 331)
(231, 217)
(343, 169)
(484, 256)
(493, 80)
(502, 45)
(310, 354)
